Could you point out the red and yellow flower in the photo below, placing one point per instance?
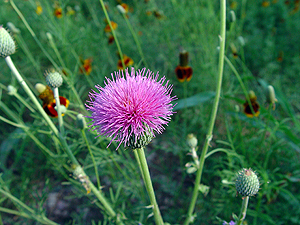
(183, 71)
(86, 67)
(127, 61)
(253, 110)
(46, 95)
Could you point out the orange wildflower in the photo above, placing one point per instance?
(125, 7)
(280, 56)
(46, 95)
(86, 66)
(183, 71)
(107, 27)
(127, 61)
(265, 4)
(255, 106)
(58, 12)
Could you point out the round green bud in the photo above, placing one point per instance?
(54, 79)
(247, 183)
(191, 140)
(11, 90)
(7, 44)
(80, 120)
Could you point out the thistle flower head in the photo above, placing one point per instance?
(131, 106)
(7, 44)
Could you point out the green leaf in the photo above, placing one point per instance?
(194, 100)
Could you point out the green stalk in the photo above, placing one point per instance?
(243, 210)
(148, 183)
(113, 33)
(30, 94)
(92, 157)
(209, 135)
(58, 109)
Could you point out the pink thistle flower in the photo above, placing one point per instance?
(131, 106)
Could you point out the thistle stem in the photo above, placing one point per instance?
(243, 210)
(209, 135)
(148, 183)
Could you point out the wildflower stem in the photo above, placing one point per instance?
(92, 157)
(138, 45)
(209, 135)
(30, 94)
(113, 33)
(243, 210)
(148, 183)
(58, 109)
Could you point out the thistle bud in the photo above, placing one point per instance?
(191, 140)
(7, 44)
(247, 183)
(53, 79)
(80, 120)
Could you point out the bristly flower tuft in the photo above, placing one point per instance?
(130, 106)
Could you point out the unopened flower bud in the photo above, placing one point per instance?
(54, 79)
(271, 98)
(183, 58)
(192, 140)
(13, 28)
(247, 183)
(80, 120)
(40, 88)
(252, 95)
(11, 90)
(121, 9)
(232, 16)
(241, 40)
(7, 44)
